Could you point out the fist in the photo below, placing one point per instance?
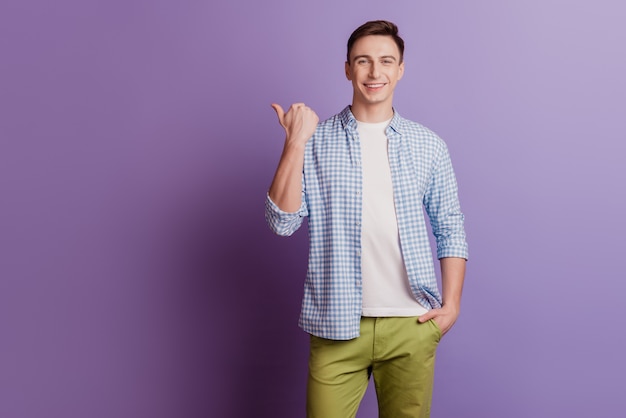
(299, 122)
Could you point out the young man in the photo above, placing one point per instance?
(371, 302)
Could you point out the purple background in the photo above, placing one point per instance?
(138, 277)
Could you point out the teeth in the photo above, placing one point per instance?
(374, 86)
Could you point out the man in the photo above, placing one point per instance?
(371, 302)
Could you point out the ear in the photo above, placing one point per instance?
(347, 70)
(401, 70)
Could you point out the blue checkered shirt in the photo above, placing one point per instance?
(422, 176)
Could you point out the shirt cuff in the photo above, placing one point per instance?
(281, 222)
(458, 251)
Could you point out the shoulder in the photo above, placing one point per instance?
(332, 123)
(416, 132)
(335, 127)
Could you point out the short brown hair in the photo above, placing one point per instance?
(377, 27)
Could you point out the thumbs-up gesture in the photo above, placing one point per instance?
(299, 122)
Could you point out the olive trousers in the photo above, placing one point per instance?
(400, 354)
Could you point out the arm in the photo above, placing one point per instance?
(442, 206)
(299, 123)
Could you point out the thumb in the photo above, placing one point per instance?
(427, 316)
(280, 113)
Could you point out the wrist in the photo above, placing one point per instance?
(451, 305)
(294, 145)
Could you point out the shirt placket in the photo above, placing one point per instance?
(356, 222)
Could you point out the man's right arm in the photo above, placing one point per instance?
(299, 123)
(284, 199)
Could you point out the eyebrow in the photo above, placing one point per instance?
(369, 57)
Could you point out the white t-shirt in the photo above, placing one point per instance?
(386, 290)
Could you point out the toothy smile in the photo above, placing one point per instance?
(374, 86)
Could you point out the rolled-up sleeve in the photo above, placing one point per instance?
(442, 205)
(284, 223)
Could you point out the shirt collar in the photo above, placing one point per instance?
(349, 122)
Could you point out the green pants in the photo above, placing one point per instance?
(398, 352)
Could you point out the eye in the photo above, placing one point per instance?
(361, 61)
(387, 62)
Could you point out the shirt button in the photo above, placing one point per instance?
(358, 252)
(358, 223)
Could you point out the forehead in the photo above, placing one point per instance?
(375, 46)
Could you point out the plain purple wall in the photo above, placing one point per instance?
(138, 277)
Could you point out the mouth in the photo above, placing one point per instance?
(374, 86)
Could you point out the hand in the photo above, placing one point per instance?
(444, 317)
(299, 122)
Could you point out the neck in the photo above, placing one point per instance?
(372, 113)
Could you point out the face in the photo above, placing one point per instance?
(374, 70)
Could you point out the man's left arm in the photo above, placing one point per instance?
(447, 221)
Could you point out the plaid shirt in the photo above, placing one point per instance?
(422, 175)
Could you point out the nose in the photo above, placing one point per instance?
(374, 73)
